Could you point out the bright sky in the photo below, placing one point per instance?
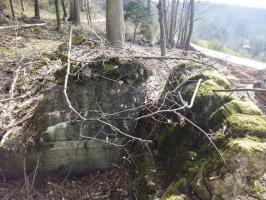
(249, 3)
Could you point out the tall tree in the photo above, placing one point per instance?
(1, 10)
(181, 24)
(88, 12)
(76, 17)
(12, 9)
(173, 22)
(149, 5)
(191, 24)
(115, 29)
(185, 26)
(165, 17)
(22, 5)
(57, 11)
(64, 9)
(71, 10)
(37, 9)
(82, 5)
(160, 7)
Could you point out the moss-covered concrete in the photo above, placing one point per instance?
(206, 101)
(124, 71)
(236, 106)
(128, 71)
(205, 167)
(217, 77)
(247, 144)
(245, 125)
(173, 197)
(193, 166)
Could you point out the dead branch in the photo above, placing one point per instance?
(22, 26)
(67, 75)
(184, 106)
(13, 85)
(35, 172)
(195, 94)
(242, 90)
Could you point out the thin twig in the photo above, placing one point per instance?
(206, 134)
(35, 171)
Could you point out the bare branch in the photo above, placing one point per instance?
(22, 26)
(242, 90)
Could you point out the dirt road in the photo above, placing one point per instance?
(229, 58)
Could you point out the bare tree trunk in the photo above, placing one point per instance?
(22, 5)
(57, 11)
(12, 9)
(149, 33)
(173, 23)
(180, 27)
(76, 19)
(1, 8)
(37, 9)
(82, 5)
(64, 9)
(160, 7)
(191, 24)
(185, 27)
(71, 10)
(165, 18)
(115, 23)
(88, 12)
(149, 5)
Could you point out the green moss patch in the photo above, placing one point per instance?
(233, 107)
(243, 125)
(126, 70)
(79, 40)
(113, 69)
(207, 101)
(173, 197)
(216, 77)
(247, 144)
(172, 192)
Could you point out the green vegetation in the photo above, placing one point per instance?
(236, 106)
(242, 125)
(247, 145)
(137, 13)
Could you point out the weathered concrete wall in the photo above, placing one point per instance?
(96, 92)
(61, 156)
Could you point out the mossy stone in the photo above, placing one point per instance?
(125, 70)
(172, 191)
(216, 77)
(246, 125)
(206, 101)
(173, 197)
(247, 145)
(233, 107)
